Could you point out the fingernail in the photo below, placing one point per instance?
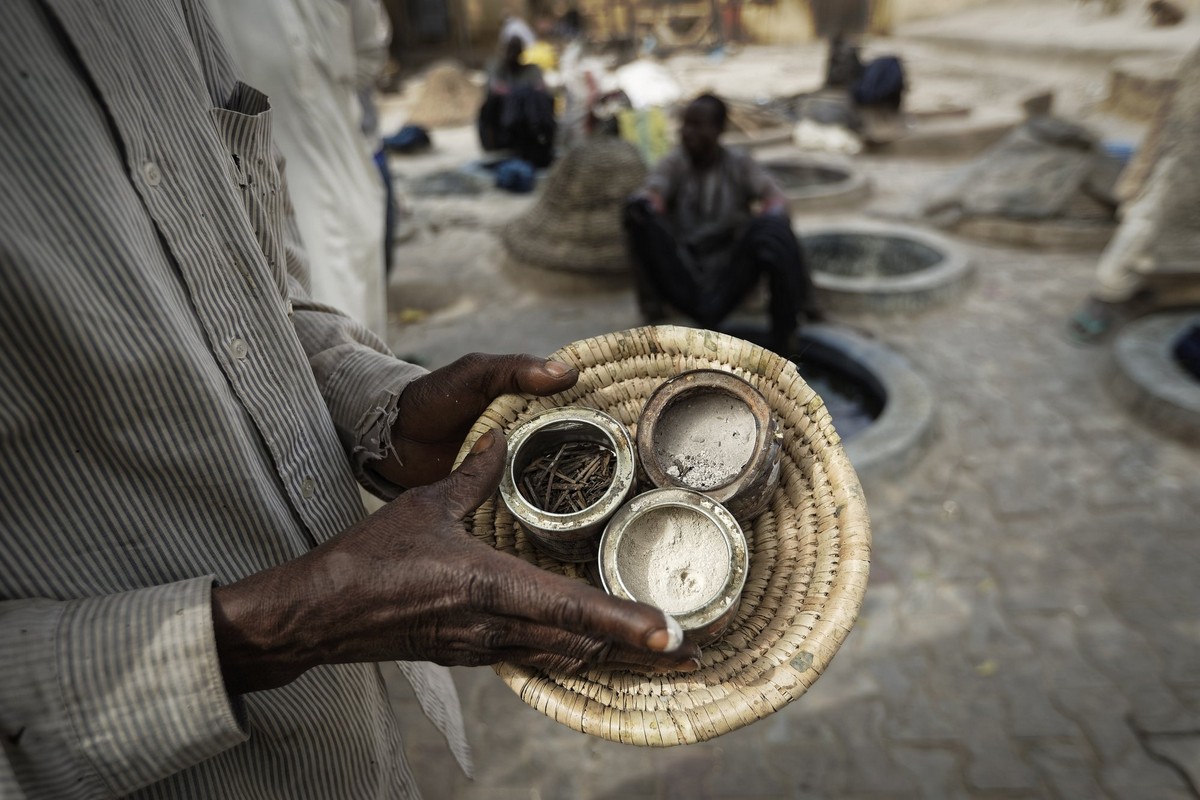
(557, 369)
(666, 639)
(483, 443)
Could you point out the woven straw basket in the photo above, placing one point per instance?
(575, 225)
(809, 552)
(448, 98)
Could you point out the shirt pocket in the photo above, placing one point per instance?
(244, 126)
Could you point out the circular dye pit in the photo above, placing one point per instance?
(811, 185)
(853, 396)
(883, 268)
(1145, 377)
(881, 408)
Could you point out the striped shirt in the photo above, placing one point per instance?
(174, 412)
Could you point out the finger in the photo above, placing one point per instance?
(446, 401)
(546, 378)
(558, 650)
(519, 639)
(523, 590)
(477, 478)
(684, 659)
(588, 649)
(555, 662)
(493, 376)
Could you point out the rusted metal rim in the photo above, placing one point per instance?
(708, 621)
(748, 491)
(574, 536)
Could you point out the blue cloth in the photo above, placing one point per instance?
(389, 215)
(409, 139)
(882, 83)
(1122, 151)
(515, 175)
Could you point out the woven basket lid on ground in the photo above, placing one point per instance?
(576, 223)
(809, 552)
(448, 98)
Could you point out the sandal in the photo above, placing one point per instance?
(1090, 323)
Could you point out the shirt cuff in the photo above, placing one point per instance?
(118, 691)
(363, 395)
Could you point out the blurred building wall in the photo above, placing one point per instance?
(678, 23)
(684, 23)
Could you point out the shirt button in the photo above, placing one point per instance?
(308, 488)
(238, 349)
(151, 173)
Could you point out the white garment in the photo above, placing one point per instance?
(809, 135)
(311, 57)
(1122, 268)
(648, 84)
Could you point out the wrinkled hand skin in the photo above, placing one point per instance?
(437, 410)
(409, 582)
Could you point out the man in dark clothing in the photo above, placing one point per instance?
(518, 112)
(696, 241)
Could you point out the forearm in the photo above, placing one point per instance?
(104, 695)
(409, 583)
(263, 630)
(361, 383)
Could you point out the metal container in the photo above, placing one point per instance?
(712, 432)
(680, 551)
(573, 536)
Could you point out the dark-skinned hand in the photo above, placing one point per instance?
(410, 583)
(437, 410)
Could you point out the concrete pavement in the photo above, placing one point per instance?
(1032, 625)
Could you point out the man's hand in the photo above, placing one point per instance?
(410, 583)
(657, 204)
(775, 204)
(437, 410)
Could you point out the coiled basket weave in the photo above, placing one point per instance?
(575, 225)
(809, 552)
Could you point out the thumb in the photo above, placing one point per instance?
(477, 478)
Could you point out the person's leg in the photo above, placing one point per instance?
(659, 272)
(536, 139)
(806, 294)
(1120, 270)
(491, 136)
(768, 246)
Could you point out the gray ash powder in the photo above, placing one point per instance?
(674, 558)
(706, 440)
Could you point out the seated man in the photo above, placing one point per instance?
(696, 241)
(518, 112)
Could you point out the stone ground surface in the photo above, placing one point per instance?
(1032, 624)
